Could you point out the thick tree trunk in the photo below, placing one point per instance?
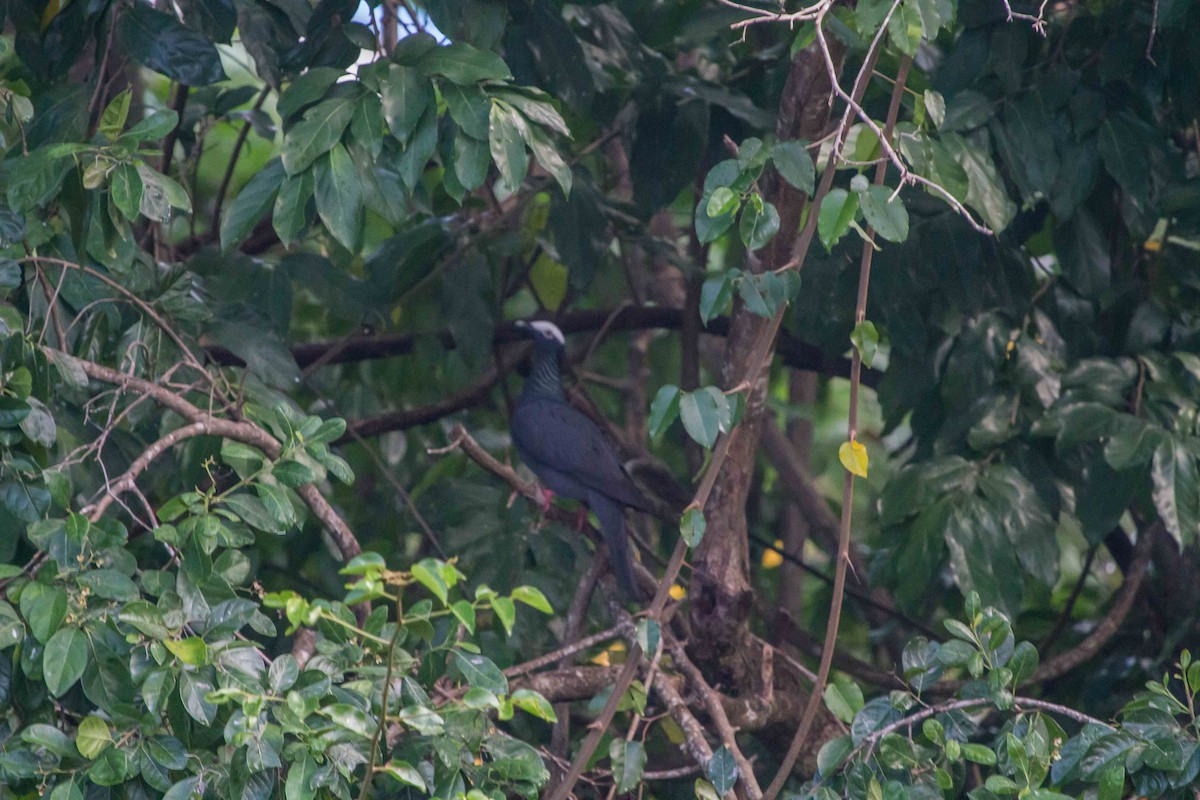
(720, 592)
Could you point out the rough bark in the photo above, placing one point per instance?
(720, 593)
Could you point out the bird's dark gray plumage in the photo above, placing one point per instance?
(569, 454)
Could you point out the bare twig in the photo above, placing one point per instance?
(233, 159)
(1076, 590)
(129, 478)
(566, 651)
(712, 702)
(1065, 662)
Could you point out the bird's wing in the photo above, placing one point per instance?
(558, 436)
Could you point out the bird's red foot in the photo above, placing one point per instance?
(547, 496)
(580, 519)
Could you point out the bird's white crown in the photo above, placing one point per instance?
(548, 330)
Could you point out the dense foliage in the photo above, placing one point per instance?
(260, 529)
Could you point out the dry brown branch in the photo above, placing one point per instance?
(1063, 663)
(129, 478)
(560, 736)
(716, 711)
(233, 159)
(568, 649)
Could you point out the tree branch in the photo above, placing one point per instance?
(1089, 647)
(794, 352)
(245, 432)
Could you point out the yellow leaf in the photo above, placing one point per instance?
(549, 278)
(771, 557)
(677, 592)
(53, 8)
(853, 456)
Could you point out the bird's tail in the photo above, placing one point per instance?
(612, 526)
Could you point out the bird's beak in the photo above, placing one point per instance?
(523, 327)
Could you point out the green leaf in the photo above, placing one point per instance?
(108, 584)
(507, 145)
(251, 204)
(339, 196)
(843, 700)
(44, 608)
(367, 125)
(92, 736)
(715, 295)
(12, 412)
(305, 90)
(986, 193)
(160, 194)
(154, 127)
(465, 613)
(470, 108)
(1124, 147)
(417, 154)
(192, 650)
(406, 96)
(400, 770)
(505, 611)
(648, 636)
(126, 189)
(532, 596)
(291, 206)
(277, 505)
(160, 42)
(663, 410)
(112, 121)
(886, 215)
(750, 290)
(293, 473)
(317, 133)
(692, 526)
(628, 764)
(1176, 490)
(546, 154)
(481, 672)
(64, 660)
(703, 413)
(533, 703)
(866, 340)
(759, 223)
(979, 753)
(111, 768)
(428, 575)
(462, 63)
(835, 215)
(722, 201)
(834, 753)
(1111, 785)
(193, 688)
(1082, 247)
(722, 770)
(905, 28)
(350, 718)
(283, 673)
(795, 165)
(471, 161)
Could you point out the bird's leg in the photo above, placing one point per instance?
(547, 496)
(581, 519)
